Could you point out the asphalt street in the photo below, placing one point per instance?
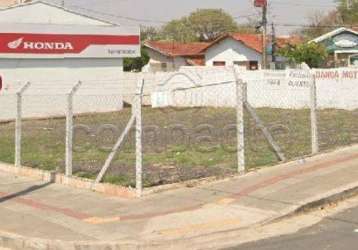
(339, 232)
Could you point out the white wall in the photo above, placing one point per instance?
(52, 79)
(230, 50)
(289, 89)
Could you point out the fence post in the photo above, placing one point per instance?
(240, 99)
(138, 135)
(313, 107)
(18, 124)
(69, 129)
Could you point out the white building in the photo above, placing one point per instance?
(51, 67)
(244, 50)
(54, 48)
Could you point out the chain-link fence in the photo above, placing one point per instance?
(281, 128)
(145, 130)
(189, 131)
(96, 132)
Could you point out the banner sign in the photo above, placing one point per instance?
(260, 3)
(56, 41)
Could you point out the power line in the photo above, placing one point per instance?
(246, 16)
(314, 26)
(304, 4)
(118, 16)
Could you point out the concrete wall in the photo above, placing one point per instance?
(288, 89)
(52, 79)
(189, 87)
(230, 50)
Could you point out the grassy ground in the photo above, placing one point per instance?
(179, 144)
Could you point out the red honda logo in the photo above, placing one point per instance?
(39, 45)
(59, 43)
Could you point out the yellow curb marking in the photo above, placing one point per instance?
(225, 201)
(99, 220)
(196, 227)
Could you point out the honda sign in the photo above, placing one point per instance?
(55, 41)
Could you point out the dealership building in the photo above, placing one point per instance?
(54, 48)
(41, 41)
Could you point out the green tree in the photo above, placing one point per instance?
(202, 25)
(313, 54)
(136, 64)
(208, 24)
(179, 30)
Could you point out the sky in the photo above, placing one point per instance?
(283, 13)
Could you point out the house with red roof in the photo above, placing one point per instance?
(244, 50)
(170, 56)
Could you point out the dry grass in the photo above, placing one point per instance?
(179, 144)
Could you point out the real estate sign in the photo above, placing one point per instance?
(72, 41)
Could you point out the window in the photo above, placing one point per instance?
(253, 65)
(163, 66)
(249, 65)
(219, 63)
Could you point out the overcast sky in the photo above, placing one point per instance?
(154, 12)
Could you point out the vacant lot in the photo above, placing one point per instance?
(179, 144)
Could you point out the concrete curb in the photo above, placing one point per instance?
(319, 202)
(75, 182)
(17, 242)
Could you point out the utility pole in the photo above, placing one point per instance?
(263, 4)
(264, 36)
(273, 40)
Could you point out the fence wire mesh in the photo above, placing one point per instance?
(190, 121)
(189, 132)
(43, 127)
(281, 101)
(7, 128)
(102, 111)
(337, 102)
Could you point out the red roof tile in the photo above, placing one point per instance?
(176, 49)
(253, 41)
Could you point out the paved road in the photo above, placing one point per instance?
(333, 233)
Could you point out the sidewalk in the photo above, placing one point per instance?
(37, 215)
